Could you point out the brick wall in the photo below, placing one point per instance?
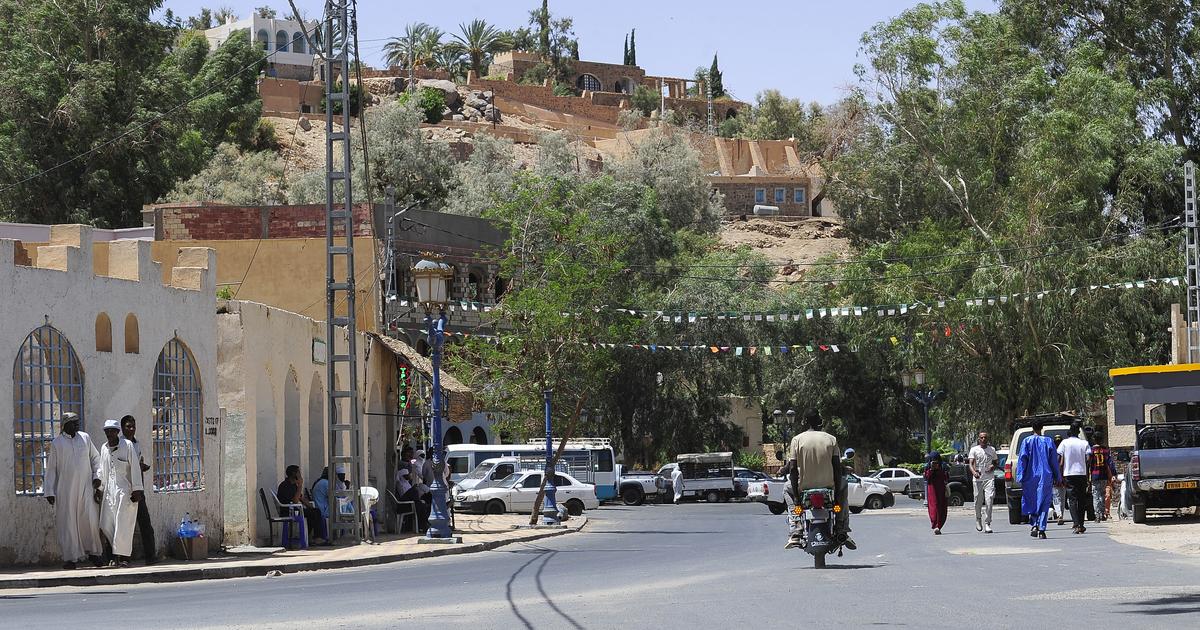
(609, 74)
(740, 196)
(541, 96)
(216, 223)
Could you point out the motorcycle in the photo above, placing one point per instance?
(815, 514)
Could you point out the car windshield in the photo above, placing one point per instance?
(480, 471)
(510, 480)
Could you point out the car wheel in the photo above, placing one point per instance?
(956, 499)
(574, 507)
(495, 506)
(874, 502)
(1139, 513)
(633, 495)
(712, 496)
(906, 490)
(856, 510)
(776, 507)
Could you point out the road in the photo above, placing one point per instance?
(693, 565)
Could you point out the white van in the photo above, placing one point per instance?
(488, 473)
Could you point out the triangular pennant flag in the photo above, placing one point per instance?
(783, 349)
(808, 313)
(895, 341)
(737, 352)
(753, 350)
(766, 350)
(835, 348)
(824, 348)
(691, 318)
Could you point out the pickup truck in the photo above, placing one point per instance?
(705, 475)
(634, 486)
(1165, 467)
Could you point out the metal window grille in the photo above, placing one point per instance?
(590, 83)
(178, 421)
(48, 382)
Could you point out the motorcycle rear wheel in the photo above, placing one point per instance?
(819, 560)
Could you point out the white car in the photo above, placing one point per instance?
(862, 493)
(896, 479)
(517, 492)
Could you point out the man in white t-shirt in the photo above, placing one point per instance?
(1073, 455)
(982, 460)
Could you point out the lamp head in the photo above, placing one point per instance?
(919, 376)
(906, 378)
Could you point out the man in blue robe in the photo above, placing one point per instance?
(1037, 472)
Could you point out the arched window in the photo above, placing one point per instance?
(178, 410)
(264, 39)
(453, 436)
(103, 333)
(281, 41)
(588, 82)
(298, 42)
(478, 436)
(132, 342)
(47, 383)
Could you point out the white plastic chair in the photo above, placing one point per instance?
(369, 496)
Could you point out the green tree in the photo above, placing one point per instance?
(265, 12)
(479, 41)
(632, 48)
(431, 102)
(99, 118)
(645, 100)
(236, 178)
(716, 81)
(625, 54)
(556, 43)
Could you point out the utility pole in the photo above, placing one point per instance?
(1193, 261)
(345, 420)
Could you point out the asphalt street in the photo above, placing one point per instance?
(698, 565)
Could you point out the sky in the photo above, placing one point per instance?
(806, 49)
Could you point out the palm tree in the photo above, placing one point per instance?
(428, 47)
(480, 39)
(400, 50)
(450, 58)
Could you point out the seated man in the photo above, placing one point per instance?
(290, 491)
(814, 462)
(320, 489)
(407, 491)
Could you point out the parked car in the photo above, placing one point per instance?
(862, 493)
(488, 473)
(517, 492)
(742, 478)
(896, 479)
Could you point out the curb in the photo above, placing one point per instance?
(219, 573)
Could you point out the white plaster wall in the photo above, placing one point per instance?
(260, 347)
(115, 383)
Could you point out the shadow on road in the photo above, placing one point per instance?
(545, 555)
(850, 566)
(649, 531)
(1170, 605)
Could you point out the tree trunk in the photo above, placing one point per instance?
(562, 446)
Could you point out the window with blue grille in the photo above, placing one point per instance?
(178, 421)
(760, 195)
(799, 195)
(47, 383)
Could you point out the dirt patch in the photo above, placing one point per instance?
(301, 150)
(792, 244)
(1175, 534)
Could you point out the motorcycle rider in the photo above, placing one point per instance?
(814, 461)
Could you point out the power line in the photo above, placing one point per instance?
(142, 125)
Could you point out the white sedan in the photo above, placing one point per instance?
(897, 479)
(517, 492)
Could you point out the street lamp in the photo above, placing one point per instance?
(917, 393)
(432, 279)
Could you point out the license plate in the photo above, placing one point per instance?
(1180, 485)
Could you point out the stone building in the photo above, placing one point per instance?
(104, 336)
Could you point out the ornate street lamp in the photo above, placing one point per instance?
(917, 393)
(432, 279)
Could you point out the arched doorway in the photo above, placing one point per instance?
(453, 436)
(316, 428)
(478, 436)
(731, 113)
(291, 419)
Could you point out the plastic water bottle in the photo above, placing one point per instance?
(194, 529)
(184, 525)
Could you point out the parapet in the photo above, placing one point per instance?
(71, 250)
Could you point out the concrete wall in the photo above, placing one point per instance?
(64, 292)
(542, 96)
(746, 414)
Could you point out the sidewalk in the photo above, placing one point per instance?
(479, 533)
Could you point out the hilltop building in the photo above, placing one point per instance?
(291, 57)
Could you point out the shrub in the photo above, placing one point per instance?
(264, 137)
(645, 100)
(753, 461)
(224, 293)
(430, 101)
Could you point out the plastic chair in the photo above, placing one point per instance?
(369, 496)
(401, 510)
(295, 516)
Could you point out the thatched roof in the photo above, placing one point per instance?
(420, 363)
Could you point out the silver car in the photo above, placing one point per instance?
(896, 479)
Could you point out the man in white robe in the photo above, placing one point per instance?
(72, 486)
(121, 480)
(677, 483)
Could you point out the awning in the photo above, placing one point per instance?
(1136, 387)
(420, 363)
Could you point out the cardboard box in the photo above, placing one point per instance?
(191, 548)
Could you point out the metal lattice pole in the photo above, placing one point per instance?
(345, 430)
(1193, 262)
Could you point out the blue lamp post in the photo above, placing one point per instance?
(549, 506)
(431, 279)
